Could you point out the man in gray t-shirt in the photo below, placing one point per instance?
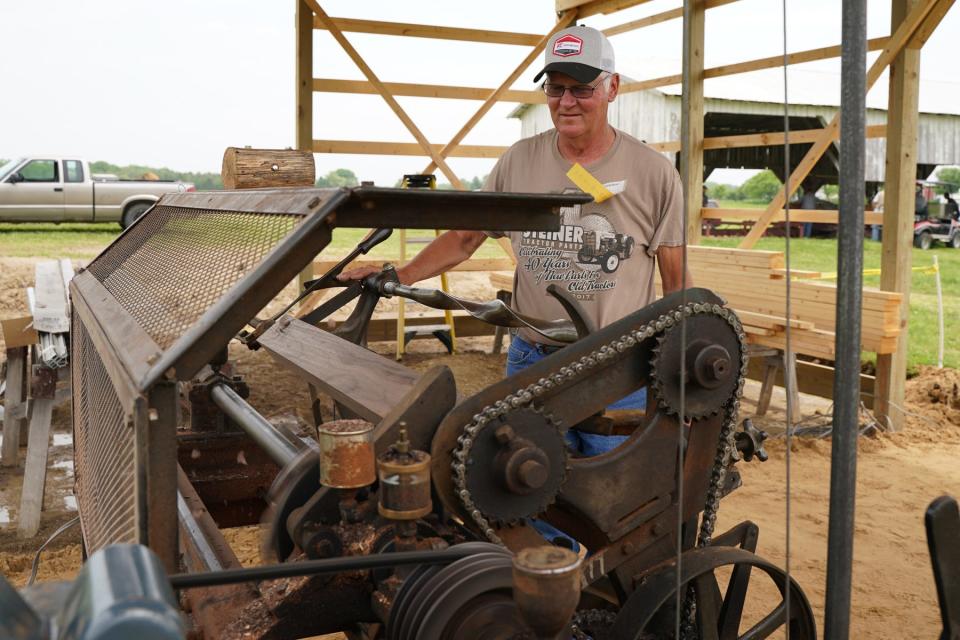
(605, 251)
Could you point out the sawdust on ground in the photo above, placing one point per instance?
(898, 475)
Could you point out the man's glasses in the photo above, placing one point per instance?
(581, 91)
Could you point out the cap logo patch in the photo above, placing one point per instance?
(568, 45)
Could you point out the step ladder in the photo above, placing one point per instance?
(443, 332)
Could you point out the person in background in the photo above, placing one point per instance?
(920, 204)
(876, 230)
(950, 207)
(808, 202)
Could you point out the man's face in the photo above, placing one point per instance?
(575, 117)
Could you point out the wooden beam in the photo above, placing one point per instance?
(403, 148)
(799, 57)
(896, 43)
(429, 31)
(796, 215)
(772, 62)
(813, 379)
(390, 100)
(365, 382)
(15, 396)
(331, 85)
(592, 7)
(898, 213)
(304, 132)
(769, 139)
(930, 24)
(691, 117)
(565, 19)
(657, 18)
(43, 390)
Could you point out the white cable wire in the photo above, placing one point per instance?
(788, 280)
(36, 558)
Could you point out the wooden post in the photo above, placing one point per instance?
(691, 110)
(15, 396)
(898, 212)
(304, 131)
(790, 384)
(35, 474)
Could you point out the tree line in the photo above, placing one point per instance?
(760, 188)
(206, 181)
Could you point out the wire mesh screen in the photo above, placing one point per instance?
(104, 450)
(176, 262)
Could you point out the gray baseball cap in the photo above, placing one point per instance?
(579, 52)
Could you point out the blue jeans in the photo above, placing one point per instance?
(521, 355)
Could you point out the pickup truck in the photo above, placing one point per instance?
(51, 189)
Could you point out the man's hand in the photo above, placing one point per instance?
(362, 272)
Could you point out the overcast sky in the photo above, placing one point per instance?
(174, 83)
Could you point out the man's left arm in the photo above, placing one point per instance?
(670, 262)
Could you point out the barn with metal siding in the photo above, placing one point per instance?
(654, 116)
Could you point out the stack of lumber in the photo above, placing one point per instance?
(754, 284)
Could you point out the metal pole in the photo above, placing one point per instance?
(846, 385)
(280, 450)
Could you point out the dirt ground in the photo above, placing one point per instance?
(898, 475)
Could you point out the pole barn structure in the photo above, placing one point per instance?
(912, 23)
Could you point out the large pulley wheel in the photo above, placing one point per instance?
(700, 362)
(294, 485)
(470, 598)
(650, 611)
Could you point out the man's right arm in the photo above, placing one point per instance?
(447, 251)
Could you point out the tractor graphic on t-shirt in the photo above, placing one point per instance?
(607, 251)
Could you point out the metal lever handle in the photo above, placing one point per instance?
(494, 312)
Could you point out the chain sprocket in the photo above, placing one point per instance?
(705, 355)
(584, 366)
(517, 465)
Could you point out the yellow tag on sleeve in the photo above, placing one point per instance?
(588, 184)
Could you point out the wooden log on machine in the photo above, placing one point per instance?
(245, 168)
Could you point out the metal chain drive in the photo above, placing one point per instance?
(593, 624)
(582, 368)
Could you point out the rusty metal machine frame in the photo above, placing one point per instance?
(171, 292)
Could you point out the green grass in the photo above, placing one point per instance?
(84, 241)
(78, 241)
(821, 255)
(742, 204)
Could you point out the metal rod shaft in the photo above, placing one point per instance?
(277, 446)
(316, 567)
(191, 528)
(846, 385)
